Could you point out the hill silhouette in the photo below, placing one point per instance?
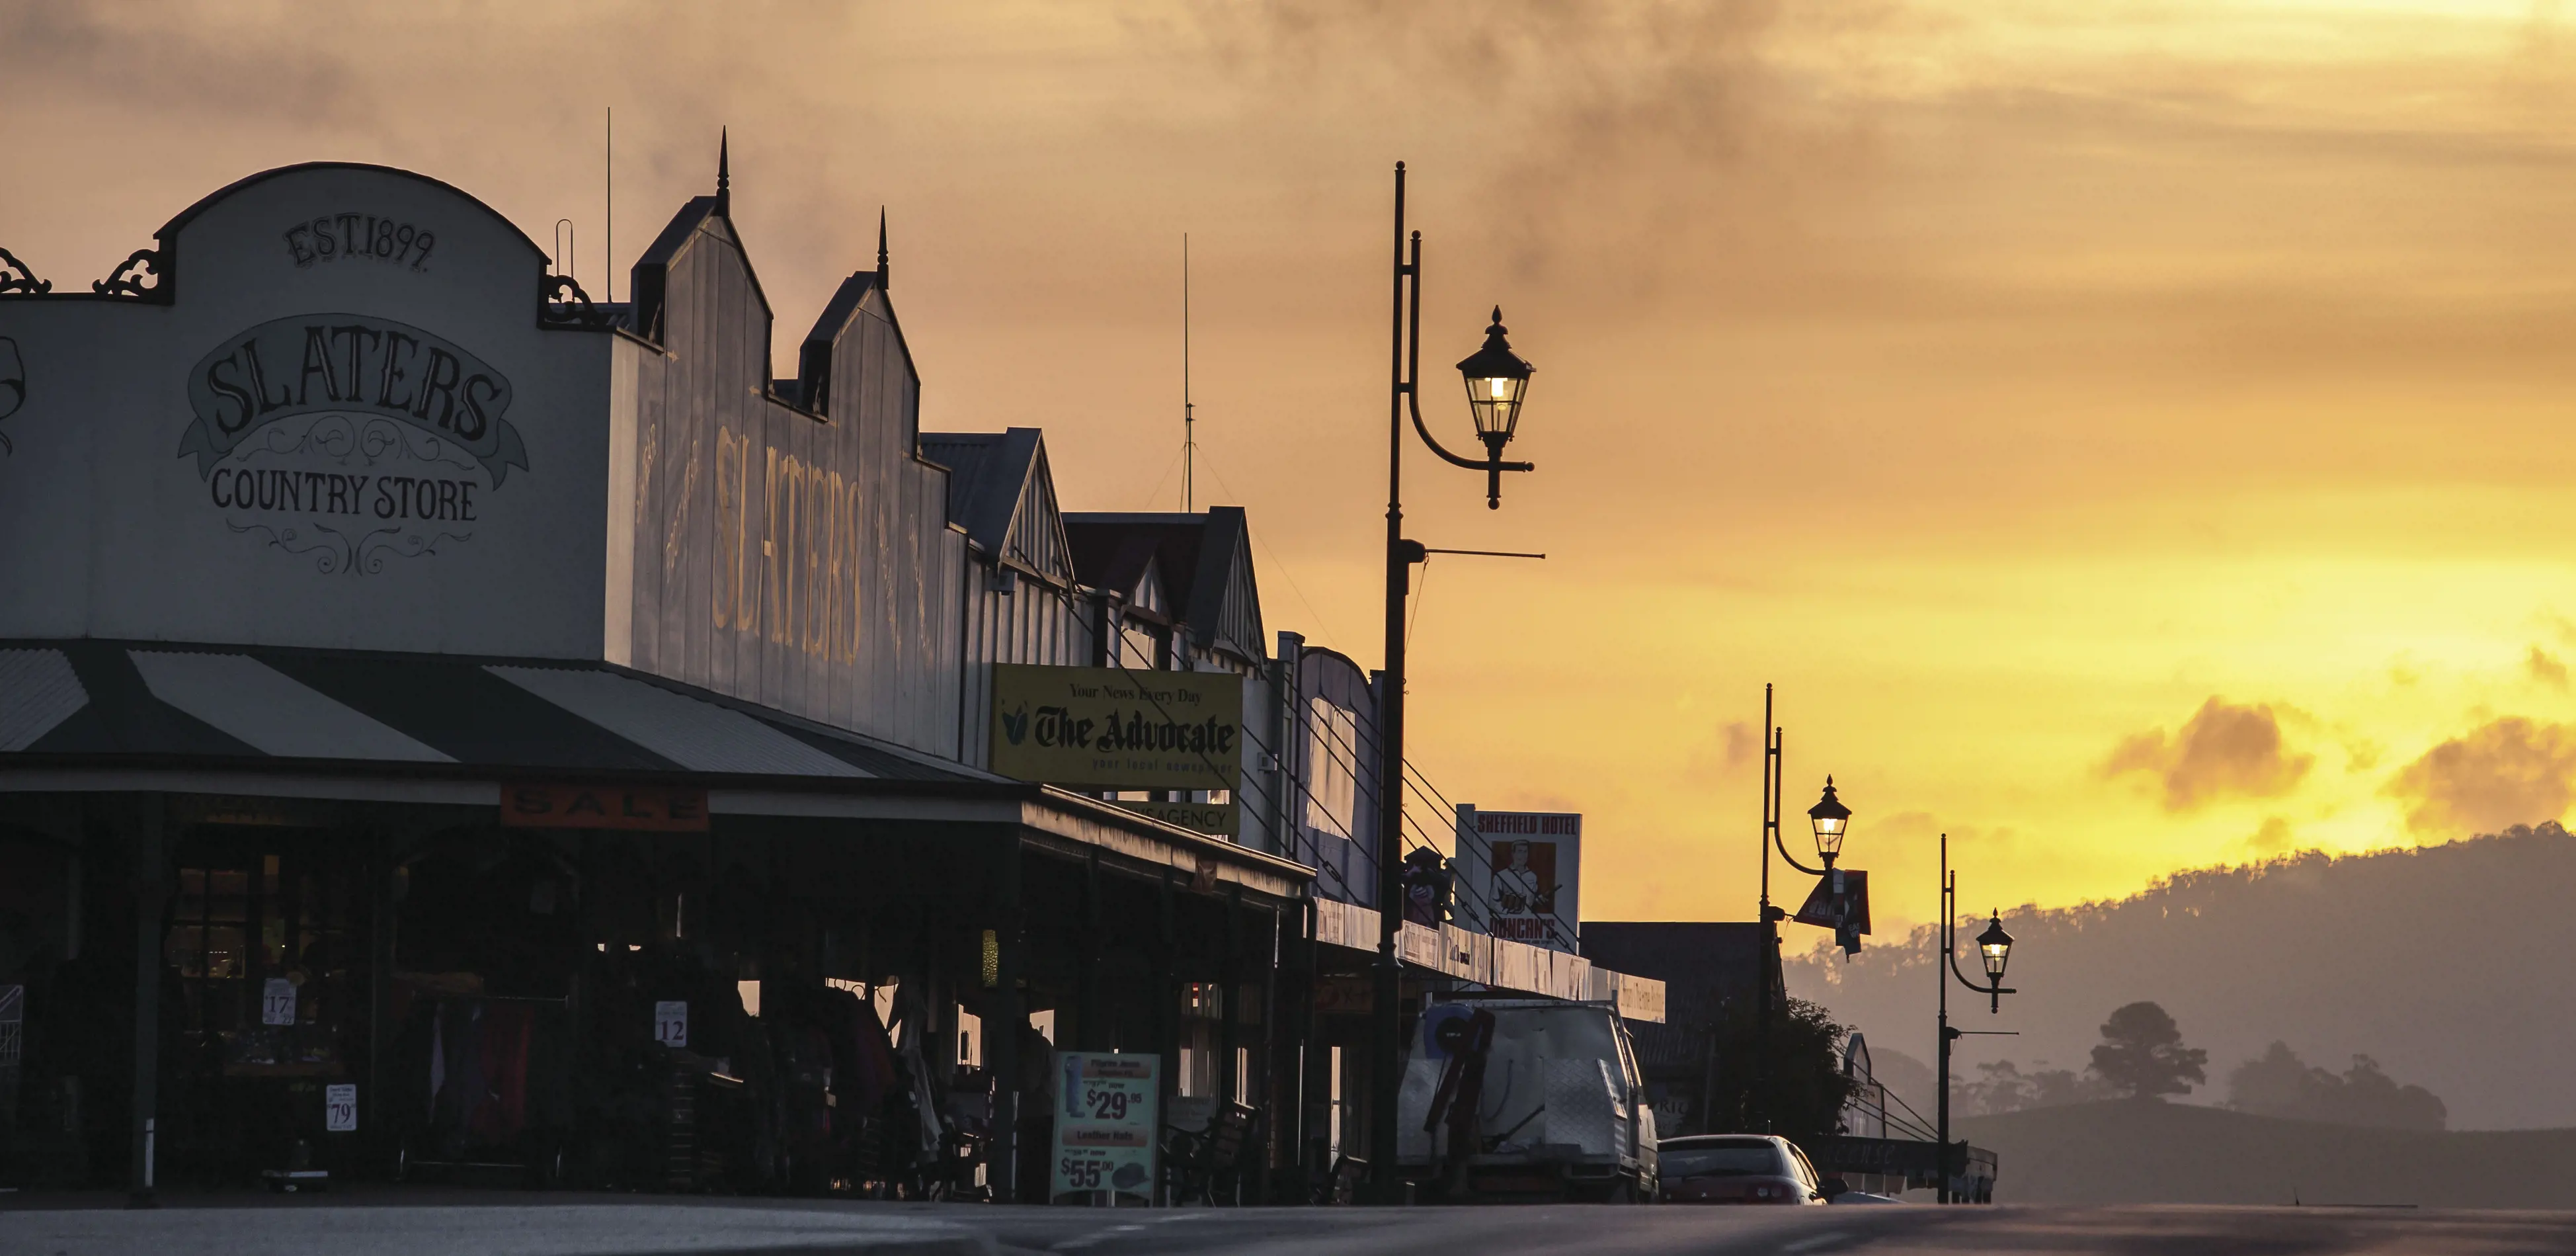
(2124, 1151)
(2445, 963)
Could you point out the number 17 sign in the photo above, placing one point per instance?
(1108, 1108)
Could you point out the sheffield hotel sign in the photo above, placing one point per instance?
(1110, 728)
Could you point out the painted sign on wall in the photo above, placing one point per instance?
(389, 451)
(1520, 871)
(1107, 727)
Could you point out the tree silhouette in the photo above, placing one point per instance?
(2279, 1083)
(2142, 1053)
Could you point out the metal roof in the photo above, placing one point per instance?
(1001, 490)
(1205, 561)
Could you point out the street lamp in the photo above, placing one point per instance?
(1995, 946)
(1994, 949)
(1830, 817)
(1497, 381)
(1831, 820)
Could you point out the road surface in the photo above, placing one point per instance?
(503, 1224)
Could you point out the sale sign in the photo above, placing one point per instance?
(1108, 1108)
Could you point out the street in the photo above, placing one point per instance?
(496, 1224)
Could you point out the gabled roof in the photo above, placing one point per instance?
(1002, 492)
(1205, 561)
(652, 270)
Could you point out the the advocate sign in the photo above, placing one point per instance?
(1109, 728)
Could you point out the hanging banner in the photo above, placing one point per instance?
(1839, 901)
(1111, 728)
(1518, 875)
(1108, 1108)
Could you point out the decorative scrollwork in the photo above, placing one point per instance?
(128, 279)
(564, 304)
(17, 280)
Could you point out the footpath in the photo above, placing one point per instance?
(309, 1225)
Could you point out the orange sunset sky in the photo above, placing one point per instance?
(2133, 436)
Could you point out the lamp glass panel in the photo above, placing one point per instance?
(1495, 401)
(1995, 947)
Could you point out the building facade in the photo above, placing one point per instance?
(446, 722)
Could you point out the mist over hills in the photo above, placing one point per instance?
(2126, 1152)
(2454, 966)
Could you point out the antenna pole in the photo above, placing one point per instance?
(608, 215)
(1189, 413)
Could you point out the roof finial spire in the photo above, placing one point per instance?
(884, 273)
(724, 174)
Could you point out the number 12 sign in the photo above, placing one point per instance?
(1108, 1108)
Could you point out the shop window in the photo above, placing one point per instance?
(268, 946)
(1143, 647)
(1335, 1106)
(1332, 767)
(970, 1039)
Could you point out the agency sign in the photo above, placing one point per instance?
(1110, 728)
(1519, 872)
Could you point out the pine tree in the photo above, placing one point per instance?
(2142, 1053)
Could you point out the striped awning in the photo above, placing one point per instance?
(108, 698)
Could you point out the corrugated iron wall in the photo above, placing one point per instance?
(803, 563)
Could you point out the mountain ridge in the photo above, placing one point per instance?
(2441, 961)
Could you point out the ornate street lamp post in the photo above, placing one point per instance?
(1497, 380)
(1830, 820)
(1994, 949)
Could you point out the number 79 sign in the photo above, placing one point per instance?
(1108, 1108)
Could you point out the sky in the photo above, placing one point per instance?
(2129, 435)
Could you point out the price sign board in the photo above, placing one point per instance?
(671, 1023)
(1108, 1108)
(340, 1107)
(277, 1002)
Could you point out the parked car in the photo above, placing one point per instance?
(1739, 1169)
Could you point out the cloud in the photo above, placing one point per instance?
(2222, 750)
(1717, 762)
(2511, 771)
(2272, 838)
(2546, 669)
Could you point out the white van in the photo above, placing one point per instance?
(1542, 1096)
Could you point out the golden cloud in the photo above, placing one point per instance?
(2222, 750)
(2511, 771)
